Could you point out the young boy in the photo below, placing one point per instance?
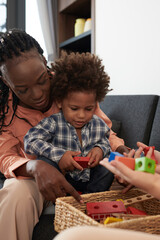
(80, 82)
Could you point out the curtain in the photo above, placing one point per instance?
(48, 18)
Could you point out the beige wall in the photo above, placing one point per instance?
(128, 41)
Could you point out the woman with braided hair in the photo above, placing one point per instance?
(25, 99)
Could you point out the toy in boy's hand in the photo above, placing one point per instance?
(146, 149)
(82, 161)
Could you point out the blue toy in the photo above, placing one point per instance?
(113, 155)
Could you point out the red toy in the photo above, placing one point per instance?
(132, 210)
(101, 210)
(152, 156)
(82, 161)
(129, 162)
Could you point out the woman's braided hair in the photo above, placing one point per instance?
(13, 43)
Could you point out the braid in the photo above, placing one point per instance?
(13, 43)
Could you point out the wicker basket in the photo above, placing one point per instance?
(68, 212)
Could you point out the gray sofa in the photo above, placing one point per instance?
(135, 118)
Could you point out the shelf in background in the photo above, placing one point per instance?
(80, 43)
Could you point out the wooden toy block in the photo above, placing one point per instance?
(145, 150)
(113, 155)
(135, 211)
(120, 200)
(101, 210)
(126, 216)
(145, 164)
(111, 220)
(79, 192)
(137, 199)
(82, 161)
(129, 162)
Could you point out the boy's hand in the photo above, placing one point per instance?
(95, 155)
(67, 163)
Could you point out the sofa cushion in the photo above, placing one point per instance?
(155, 132)
(136, 114)
(116, 126)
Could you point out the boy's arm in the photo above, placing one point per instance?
(38, 141)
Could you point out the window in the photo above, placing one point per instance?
(3, 14)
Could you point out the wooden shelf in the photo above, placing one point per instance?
(68, 12)
(80, 43)
(81, 8)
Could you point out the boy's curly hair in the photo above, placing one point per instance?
(79, 72)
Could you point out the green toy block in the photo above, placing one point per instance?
(145, 164)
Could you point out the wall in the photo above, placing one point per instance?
(128, 41)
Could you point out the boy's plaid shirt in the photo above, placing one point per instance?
(53, 136)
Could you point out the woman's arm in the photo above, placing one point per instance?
(117, 144)
(11, 154)
(146, 181)
(13, 163)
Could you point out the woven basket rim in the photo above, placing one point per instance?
(70, 207)
(72, 211)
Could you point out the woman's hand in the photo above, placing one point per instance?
(146, 181)
(50, 181)
(127, 185)
(122, 181)
(156, 153)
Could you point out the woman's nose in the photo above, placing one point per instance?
(37, 93)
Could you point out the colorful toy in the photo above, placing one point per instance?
(152, 156)
(82, 161)
(145, 164)
(116, 209)
(101, 210)
(120, 200)
(135, 211)
(137, 199)
(113, 155)
(126, 216)
(111, 220)
(129, 162)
